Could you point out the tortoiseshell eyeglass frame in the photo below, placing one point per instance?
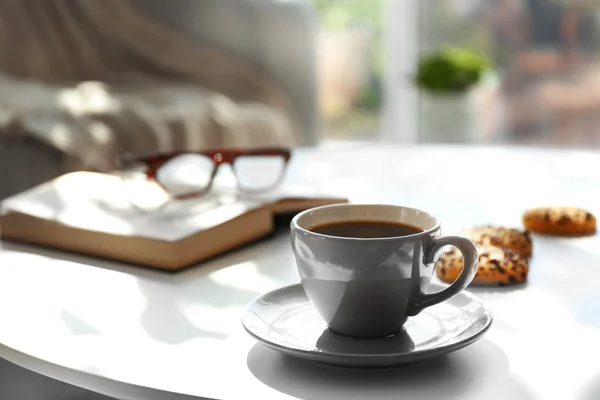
(154, 162)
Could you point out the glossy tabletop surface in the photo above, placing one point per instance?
(134, 333)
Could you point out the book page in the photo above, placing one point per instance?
(99, 202)
(102, 203)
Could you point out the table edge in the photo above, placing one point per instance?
(89, 381)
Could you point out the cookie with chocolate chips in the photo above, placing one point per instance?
(500, 236)
(566, 221)
(497, 266)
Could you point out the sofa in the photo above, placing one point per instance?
(38, 143)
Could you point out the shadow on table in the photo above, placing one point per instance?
(592, 390)
(76, 324)
(163, 293)
(480, 371)
(497, 289)
(163, 320)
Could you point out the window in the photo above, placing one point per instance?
(544, 89)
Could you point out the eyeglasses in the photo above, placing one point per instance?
(186, 175)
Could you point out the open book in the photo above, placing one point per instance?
(90, 213)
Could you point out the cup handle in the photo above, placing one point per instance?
(470, 257)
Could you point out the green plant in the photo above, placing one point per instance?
(451, 70)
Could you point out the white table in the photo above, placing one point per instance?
(133, 333)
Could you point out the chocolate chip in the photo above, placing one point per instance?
(512, 279)
(443, 271)
(518, 267)
(588, 217)
(547, 217)
(563, 220)
(501, 270)
(523, 274)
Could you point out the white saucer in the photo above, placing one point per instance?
(286, 320)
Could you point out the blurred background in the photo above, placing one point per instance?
(83, 82)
